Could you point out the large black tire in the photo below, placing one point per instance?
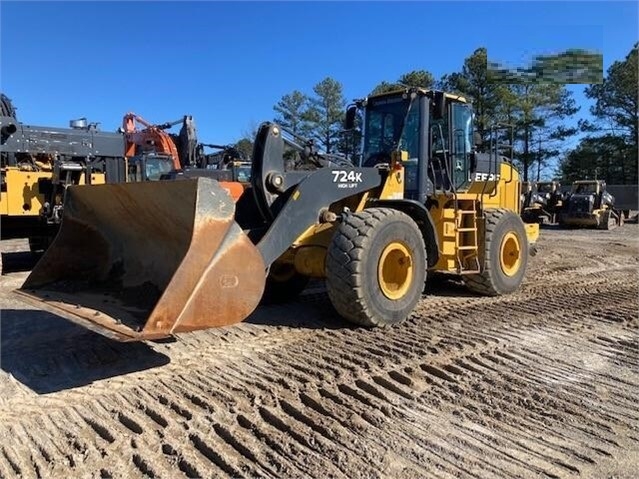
(376, 267)
(283, 284)
(504, 256)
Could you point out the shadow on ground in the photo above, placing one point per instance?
(314, 310)
(311, 310)
(47, 353)
(18, 261)
(441, 285)
(552, 226)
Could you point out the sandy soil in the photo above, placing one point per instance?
(542, 383)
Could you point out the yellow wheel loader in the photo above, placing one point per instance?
(149, 260)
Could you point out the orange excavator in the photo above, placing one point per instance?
(154, 154)
(151, 152)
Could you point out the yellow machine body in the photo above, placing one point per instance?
(308, 253)
(22, 196)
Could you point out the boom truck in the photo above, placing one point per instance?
(149, 260)
(151, 152)
(38, 163)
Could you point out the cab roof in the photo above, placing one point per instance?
(421, 91)
(587, 182)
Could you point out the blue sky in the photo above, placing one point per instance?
(227, 64)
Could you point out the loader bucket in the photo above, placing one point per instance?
(147, 260)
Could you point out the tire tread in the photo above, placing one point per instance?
(484, 283)
(344, 264)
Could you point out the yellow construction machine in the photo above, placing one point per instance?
(542, 201)
(38, 163)
(589, 205)
(149, 260)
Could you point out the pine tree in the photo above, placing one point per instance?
(325, 114)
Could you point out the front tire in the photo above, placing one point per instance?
(504, 255)
(376, 267)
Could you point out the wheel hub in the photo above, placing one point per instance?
(395, 270)
(510, 254)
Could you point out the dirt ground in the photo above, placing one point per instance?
(542, 383)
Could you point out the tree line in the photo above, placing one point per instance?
(537, 104)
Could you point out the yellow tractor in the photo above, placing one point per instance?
(589, 205)
(542, 201)
(149, 260)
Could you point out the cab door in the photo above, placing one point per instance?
(461, 121)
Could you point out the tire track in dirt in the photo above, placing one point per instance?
(346, 392)
(109, 353)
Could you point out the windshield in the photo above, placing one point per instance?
(242, 173)
(585, 188)
(155, 167)
(158, 166)
(383, 129)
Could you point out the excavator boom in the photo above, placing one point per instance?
(152, 137)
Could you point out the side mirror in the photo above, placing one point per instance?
(349, 121)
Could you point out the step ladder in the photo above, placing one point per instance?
(467, 244)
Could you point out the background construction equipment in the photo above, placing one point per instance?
(38, 163)
(542, 201)
(590, 205)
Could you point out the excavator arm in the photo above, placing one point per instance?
(151, 137)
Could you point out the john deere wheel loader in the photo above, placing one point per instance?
(148, 260)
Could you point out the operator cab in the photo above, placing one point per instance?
(585, 187)
(547, 187)
(149, 167)
(432, 130)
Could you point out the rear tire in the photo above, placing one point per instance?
(505, 255)
(376, 267)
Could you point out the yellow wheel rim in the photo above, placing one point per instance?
(395, 270)
(510, 254)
